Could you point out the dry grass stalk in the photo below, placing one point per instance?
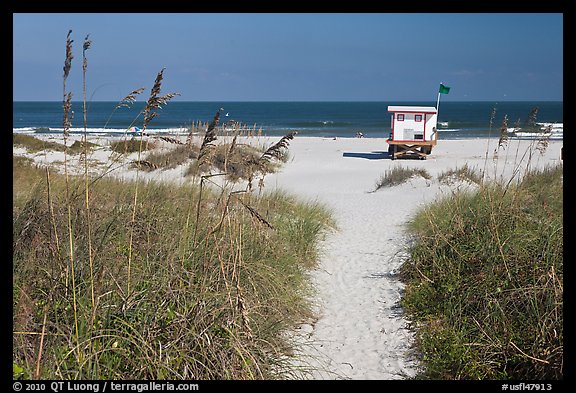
(155, 101)
(169, 140)
(209, 137)
(230, 150)
(67, 123)
(260, 185)
(256, 215)
(275, 151)
(69, 56)
(125, 102)
(87, 44)
(189, 137)
(67, 100)
(544, 140)
(195, 128)
(503, 141)
(531, 121)
(243, 311)
(258, 164)
(492, 116)
(148, 164)
(233, 144)
(129, 99)
(41, 345)
(68, 115)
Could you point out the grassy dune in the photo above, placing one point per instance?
(485, 281)
(212, 284)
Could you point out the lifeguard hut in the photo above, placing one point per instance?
(413, 131)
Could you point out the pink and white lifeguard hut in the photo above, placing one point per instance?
(413, 131)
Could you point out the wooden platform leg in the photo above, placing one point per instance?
(419, 150)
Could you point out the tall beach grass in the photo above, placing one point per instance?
(216, 310)
(484, 276)
(118, 279)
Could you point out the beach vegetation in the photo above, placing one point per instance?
(484, 280)
(34, 145)
(132, 145)
(238, 161)
(215, 305)
(42, 130)
(133, 279)
(398, 175)
(170, 157)
(463, 173)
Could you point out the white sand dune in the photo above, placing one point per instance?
(361, 332)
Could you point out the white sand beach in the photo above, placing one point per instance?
(361, 332)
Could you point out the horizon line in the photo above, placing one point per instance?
(315, 101)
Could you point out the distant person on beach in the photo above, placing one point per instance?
(359, 135)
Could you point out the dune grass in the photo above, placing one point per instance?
(238, 161)
(398, 175)
(484, 281)
(217, 278)
(463, 173)
(213, 308)
(132, 145)
(34, 145)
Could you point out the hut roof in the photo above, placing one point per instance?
(417, 109)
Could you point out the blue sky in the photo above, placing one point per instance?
(293, 56)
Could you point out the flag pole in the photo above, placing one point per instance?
(438, 101)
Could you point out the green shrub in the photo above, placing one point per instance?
(484, 281)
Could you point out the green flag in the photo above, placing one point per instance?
(444, 89)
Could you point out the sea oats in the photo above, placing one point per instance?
(130, 98)
(275, 151)
(169, 140)
(544, 140)
(209, 137)
(531, 121)
(87, 44)
(155, 100)
(492, 117)
(68, 115)
(69, 56)
(503, 141)
(233, 144)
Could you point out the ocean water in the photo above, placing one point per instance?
(327, 119)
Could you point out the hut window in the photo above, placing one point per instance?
(400, 117)
(417, 117)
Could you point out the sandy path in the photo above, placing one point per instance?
(361, 332)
